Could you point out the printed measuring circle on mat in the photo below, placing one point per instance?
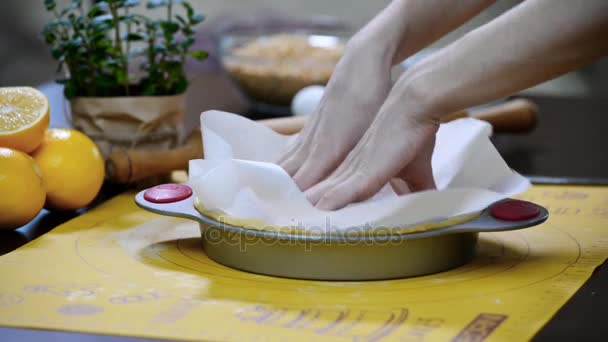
(173, 248)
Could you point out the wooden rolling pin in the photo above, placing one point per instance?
(124, 167)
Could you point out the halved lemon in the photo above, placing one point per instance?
(24, 117)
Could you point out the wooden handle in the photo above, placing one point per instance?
(516, 116)
(124, 167)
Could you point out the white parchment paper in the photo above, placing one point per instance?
(239, 179)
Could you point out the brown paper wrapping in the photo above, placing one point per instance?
(119, 123)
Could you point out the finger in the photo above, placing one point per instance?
(379, 170)
(295, 157)
(422, 179)
(400, 186)
(314, 193)
(291, 149)
(418, 174)
(346, 168)
(349, 182)
(350, 168)
(323, 160)
(317, 191)
(358, 187)
(316, 167)
(293, 162)
(301, 141)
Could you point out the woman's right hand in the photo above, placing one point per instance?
(357, 89)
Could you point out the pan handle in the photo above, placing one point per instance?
(508, 214)
(178, 200)
(171, 200)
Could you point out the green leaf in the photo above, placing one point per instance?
(130, 3)
(55, 24)
(159, 48)
(78, 23)
(73, 44)
(172, 44)
(85, 41)
(189, 9)
(199, 55)
(103, 6)
(94, 11)
(102, 18)
(50, 4)
(50, 38)
(150, 90)
(169, 27)
(131, 19)
(187, 42)
(105, 81)
(99, 28)
(151, 25)
(181, 19)
(50, 32)
(71, 6)
(121, 78)
(69, 90)
(132, 37)
(188, 31)
(113, 63)
(181, 86)
(57, 52)
(156, 3)
(197, 18)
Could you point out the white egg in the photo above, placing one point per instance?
(306, 100)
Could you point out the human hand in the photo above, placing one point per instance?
(472, 70)
(397, 148)
(357, 89)
(361, 83)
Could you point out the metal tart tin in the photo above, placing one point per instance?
(343, 257)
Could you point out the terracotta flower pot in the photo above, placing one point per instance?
(140, 122)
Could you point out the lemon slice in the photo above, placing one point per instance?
(24, 117)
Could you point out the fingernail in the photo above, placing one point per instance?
(325, 205)
(321, 206)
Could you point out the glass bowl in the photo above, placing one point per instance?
(272, 67)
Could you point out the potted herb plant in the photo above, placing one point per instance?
(125, 69)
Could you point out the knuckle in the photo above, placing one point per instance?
(364, 185)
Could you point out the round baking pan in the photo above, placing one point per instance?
(336, 257)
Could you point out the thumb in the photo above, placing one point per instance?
(418, 174)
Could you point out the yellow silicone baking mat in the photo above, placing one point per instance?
(123, 271)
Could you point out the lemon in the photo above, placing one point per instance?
(24, 117)
(22, 189)
(72, 168)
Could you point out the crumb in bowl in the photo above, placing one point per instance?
(272, 69)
